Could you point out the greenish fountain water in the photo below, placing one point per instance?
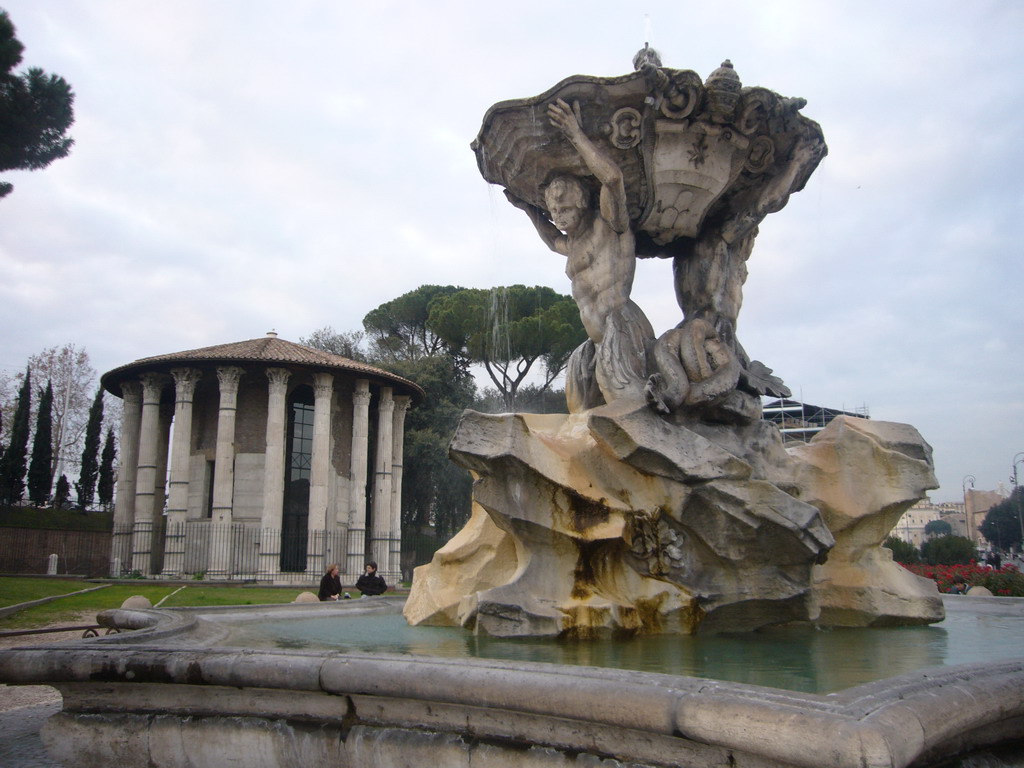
(797, 658)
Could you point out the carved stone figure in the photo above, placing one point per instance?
(600, 253)
(662, 503)
(692, 167)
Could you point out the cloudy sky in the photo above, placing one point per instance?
(247, 165)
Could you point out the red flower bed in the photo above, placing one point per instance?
(1007, 581)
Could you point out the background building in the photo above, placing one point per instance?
(260, 459)
(911, 526)
(801, 421)
(977, 504)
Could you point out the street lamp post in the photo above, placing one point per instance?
(1017, 461)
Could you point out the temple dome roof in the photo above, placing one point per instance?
(269, 351)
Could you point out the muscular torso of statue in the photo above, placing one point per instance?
(593, 232)
(600, 264)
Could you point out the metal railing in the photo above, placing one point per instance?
(79, 553)
(200, 549)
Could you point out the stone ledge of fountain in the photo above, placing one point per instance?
(153, 696)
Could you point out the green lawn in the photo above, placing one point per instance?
(203, 596)
(69, 609)
(16, 589)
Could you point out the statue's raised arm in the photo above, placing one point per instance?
(600, 256)
(613, 189)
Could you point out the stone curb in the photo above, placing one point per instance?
(10, 610)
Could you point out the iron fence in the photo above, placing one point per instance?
(80, 553)
(200, 549)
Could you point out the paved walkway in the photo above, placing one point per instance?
(20, 745)
(24, 708)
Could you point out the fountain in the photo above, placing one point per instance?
(660, 509)
(663, 503)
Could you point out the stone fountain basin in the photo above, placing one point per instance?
(166, 694)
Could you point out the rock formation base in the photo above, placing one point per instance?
(616, 520)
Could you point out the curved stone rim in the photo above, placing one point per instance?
(891, 722)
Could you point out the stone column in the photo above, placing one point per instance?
(124, 503)
(185, 380)
(163, 444)
(224, 471)
(381, 533)
(397, 452)
(323, 390)
(273, 471)
(357, 487)
(145, 473)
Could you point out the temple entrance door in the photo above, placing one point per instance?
(295, 515)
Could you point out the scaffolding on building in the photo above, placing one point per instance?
(799, 422)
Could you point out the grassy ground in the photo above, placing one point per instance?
(71, 609)
(204, 596)
(14, 589)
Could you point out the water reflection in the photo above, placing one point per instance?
(803, 658)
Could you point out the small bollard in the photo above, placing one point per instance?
(51, 566)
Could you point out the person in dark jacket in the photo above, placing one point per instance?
(370, 583)
(330, 584)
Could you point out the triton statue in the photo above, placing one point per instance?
(683, 169)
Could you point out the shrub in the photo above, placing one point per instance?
(902, 552)
(949, 550)
(1006, 582)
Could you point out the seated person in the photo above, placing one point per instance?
(959, 587)
(330, 584)
(370, 583)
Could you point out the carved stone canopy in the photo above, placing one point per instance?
(694, 154)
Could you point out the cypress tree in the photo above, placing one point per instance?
(40, 481)
(86, 485)
(62, 493)
(105, 488)
(12, 467)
